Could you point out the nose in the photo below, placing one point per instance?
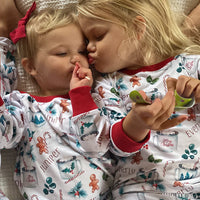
(91, 47)
(75, 59)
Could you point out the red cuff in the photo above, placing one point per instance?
(123, 142)
(1, 101)
(82, 100)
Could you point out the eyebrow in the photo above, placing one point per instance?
(87, 30)
(93, 29)
(83, 45)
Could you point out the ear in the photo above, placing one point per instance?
(139, 22)
(28, 66)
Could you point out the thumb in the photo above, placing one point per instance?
(143, 94)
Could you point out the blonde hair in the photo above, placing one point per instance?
(39, 25)
(36, 28)
(163, 35)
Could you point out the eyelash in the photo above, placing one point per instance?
(99, 38)
(61, 54)
(83, 52)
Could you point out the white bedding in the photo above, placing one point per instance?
(8, 156)
(179, 6)
(7, 185)
(184, 6)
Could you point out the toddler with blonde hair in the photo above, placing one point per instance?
(138, 45)
(61, 153)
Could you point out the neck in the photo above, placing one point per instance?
(141, 62)
(44, 93)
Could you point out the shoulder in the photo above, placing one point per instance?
(190, 62)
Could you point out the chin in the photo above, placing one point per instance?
(101, 70)
(97, 69)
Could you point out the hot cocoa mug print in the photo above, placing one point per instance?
(166, 142)
(29, 177)
(186, 172)
(69, 168)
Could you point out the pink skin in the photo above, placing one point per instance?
(155, 116)
(79, 77)
(194, 18)
(54, 64)
(8, 21)
(185, 87)
(106, 41)
(56, 51)
(103, 45)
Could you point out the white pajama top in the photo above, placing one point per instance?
(168, 165)
(62, 141)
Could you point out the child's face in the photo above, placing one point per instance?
(55, 61)
(108, 45)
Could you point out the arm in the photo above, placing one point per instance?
(9, 17)
(91, 124)
(8, 74)
(132, 132)
(194, 17)
(191, 25)
(11, 121)
(8, 120)
(111, 92)
(155, 116)
(93, 118)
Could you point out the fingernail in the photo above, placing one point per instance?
(88, 78)
(77, 64)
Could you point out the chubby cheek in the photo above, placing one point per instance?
(108, 52)
(107, 62)
(60, 81)
(65, 78)
(110, 65)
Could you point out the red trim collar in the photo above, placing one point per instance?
(48, 98)
(148, 68)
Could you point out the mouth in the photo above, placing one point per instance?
(91, 60)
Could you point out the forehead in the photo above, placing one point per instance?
(87, 23)
(70, 33)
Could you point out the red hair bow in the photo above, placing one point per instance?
(20, 31)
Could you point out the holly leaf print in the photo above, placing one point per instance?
(87, 125)
(152, 81)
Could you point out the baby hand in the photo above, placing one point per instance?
(185, 86)
(155, 116)
(81, 76)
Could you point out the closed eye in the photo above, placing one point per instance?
(61, 54)
(100, 37)
(83, 52)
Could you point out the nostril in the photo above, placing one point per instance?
(76, 58)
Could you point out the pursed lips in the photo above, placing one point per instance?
(91, 60)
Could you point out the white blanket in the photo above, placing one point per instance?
(8, 156)
(184, 6)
